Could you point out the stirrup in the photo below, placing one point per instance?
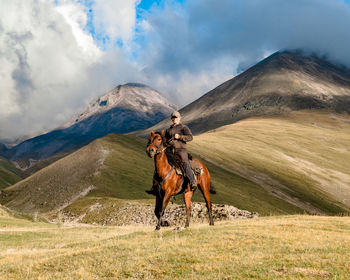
(152, 191)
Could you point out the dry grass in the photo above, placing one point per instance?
(293, 247)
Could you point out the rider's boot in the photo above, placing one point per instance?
(154, 188)
(193, 185)
(190, 175)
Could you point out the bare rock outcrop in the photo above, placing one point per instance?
(143, 214)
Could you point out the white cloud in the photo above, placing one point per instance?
(207, 38)
(50, 66)
(115, 18)
(75, 15)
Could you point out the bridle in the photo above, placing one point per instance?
(158, 147)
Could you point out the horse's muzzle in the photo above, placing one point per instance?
(151, 152)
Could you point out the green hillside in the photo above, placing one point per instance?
(302, 158)
(9, 174)
(272, 165)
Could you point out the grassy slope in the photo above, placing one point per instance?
(9, 174)
(257, 145)
(127, 177)
(293, 247)
(127, 170)
(306, 155)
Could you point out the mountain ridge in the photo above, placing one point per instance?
(283, 82)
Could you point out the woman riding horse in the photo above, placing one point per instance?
(176, 137)
(169, 183)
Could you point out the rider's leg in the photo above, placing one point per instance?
(154, 189)
(187, 167)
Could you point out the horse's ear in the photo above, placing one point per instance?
(162, 134)
(152, 133)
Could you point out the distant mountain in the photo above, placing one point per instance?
(126, 108)
(285, 81)
(3, 148)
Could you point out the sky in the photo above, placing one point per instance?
(59, 55)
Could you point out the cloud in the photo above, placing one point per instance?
(115, 19)
(208, 37)
(50, 66)
(57, 55)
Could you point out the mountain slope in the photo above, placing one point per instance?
(124, 109)
(302, 157)
(3, 148)
(283, 82)
(9, 174)
(114, 166)
(117, 167)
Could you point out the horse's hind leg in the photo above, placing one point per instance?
(187, 198)
(205, 189)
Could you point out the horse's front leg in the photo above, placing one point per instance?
(158, 210)
(187, 198)
(165, 202)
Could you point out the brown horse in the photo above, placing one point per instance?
(170, 183)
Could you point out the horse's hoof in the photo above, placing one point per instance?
(157, 227)
(211, 223)
(165, 223)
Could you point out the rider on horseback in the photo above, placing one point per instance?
(176, 136)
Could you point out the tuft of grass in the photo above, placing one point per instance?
(280, 247)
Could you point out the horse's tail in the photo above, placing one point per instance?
(212, 189)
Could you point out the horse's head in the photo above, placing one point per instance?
(155, 143)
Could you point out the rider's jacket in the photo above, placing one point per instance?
(184, 132)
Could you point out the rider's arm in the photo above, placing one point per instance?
(186, 135)
(168, 137)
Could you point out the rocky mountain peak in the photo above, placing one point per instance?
(132, 96)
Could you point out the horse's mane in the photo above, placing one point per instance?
(173, 159)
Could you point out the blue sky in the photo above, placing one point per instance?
(143, 8)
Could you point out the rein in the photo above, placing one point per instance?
(155, 145)
(160, 184)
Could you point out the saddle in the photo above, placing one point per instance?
(195, 166)
(175, 161)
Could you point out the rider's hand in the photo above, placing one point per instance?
(177, 136)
